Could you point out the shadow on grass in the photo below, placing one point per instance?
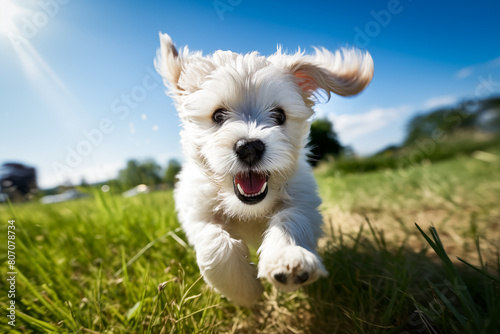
(377, 288)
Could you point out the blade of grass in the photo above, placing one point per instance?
(459, 287)
(148, 246)
(482, 272)
(45, 326)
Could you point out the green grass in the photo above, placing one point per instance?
(94, 265)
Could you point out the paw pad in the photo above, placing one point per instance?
(291, 268)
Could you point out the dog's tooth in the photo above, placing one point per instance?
(240, 190)
(251, 195)
(263, 188)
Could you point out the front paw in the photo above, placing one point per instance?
(291, 267)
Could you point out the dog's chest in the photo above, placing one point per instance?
(250, 231)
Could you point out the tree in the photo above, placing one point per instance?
(445, 121)
(84, 183)
(173, 168)
(151, 172)
(323, 141)
(135, 173)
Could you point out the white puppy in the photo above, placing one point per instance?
(245, 178)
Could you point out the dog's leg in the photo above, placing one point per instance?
(288, 258)
(224, 263)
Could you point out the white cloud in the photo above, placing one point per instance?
(464, 73)
(495, 62)
(439, 101)
(319, 112)
(350, 127)
(469, 70)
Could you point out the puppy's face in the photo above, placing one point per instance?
(247, 124)
(245, 117)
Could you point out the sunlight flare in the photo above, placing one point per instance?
(8, 11)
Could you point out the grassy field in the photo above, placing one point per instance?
(109, 264)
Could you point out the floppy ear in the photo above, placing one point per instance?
(344, 73)
(168, 63)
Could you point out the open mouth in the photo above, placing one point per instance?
(250, 187)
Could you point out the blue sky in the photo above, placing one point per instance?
(80, 95)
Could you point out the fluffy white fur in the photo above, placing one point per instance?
(286, 223)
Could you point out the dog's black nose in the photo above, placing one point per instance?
(250, 150)
(281, 277)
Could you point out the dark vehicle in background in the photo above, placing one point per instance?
(17, 182)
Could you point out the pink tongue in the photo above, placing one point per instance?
(251, 183)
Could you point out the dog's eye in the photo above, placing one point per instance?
(278, 115)
(219, 116)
